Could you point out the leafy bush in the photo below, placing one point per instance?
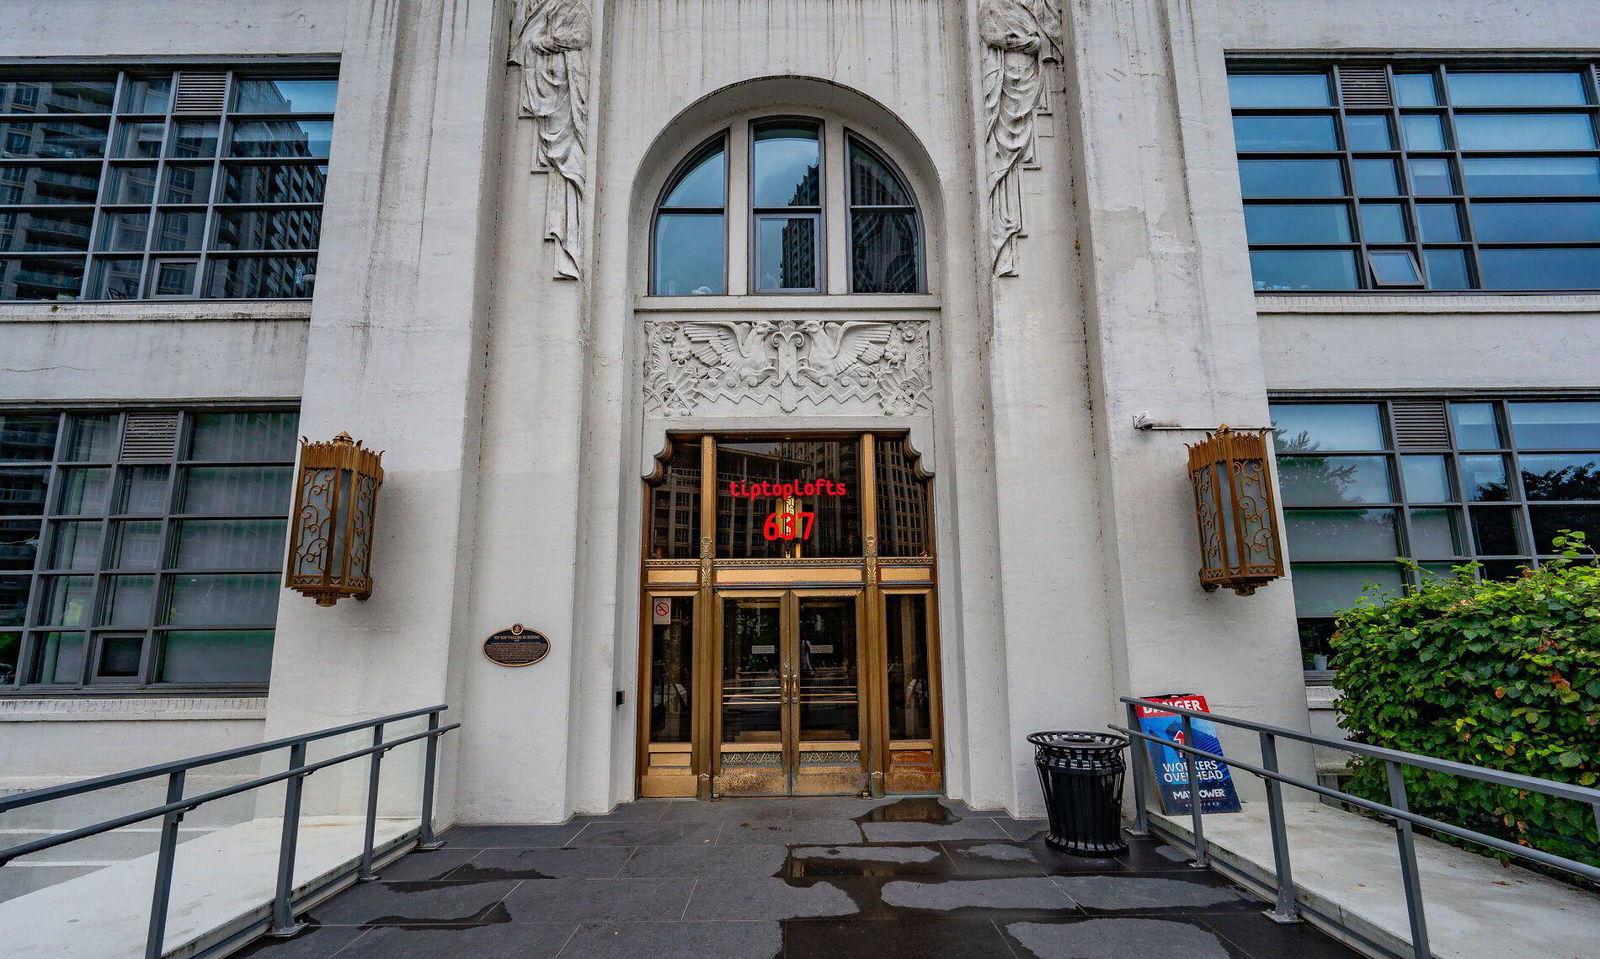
(1498, 674)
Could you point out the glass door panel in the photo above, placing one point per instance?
(826, 690)
(754, 697)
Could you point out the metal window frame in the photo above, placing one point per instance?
(209, 258)
(27, 679)
(1470, 245)
(853, 141)
(816, 213)
(717, 142)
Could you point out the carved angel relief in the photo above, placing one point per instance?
(550, 40)
(697, 366)
(1019, 38)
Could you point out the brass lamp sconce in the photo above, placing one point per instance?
(335, 507)
(1233, 505)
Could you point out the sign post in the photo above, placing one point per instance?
(1217, 792)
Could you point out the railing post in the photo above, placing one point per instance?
(1141, 766)
(366, 874)
(1283, 910)
(426, 840)
(283, 924)
(156, 939)
(1408, 862)
(1195, 812)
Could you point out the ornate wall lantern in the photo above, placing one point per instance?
(335, 505)
(1233, 504)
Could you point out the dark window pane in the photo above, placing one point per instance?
(1394, 268)
(1540, 269)
(1484, 478)
(1291, 178)
(1427, 478)
(74, 545)
(187, 183)
(53, 230)
(194, 139)
(115, 278)
(873, 183)
(229, 544)
(1376, 178)
(786, 253)
(689, 255)
(41, 278)
(883, 252)
(1334, 480)
(1529, 132)
(1279, 90)
(1384, 223)
(910, 695)
(56, 96)
(1439, 222)
(19, 541)
(273, 182)
(124, 232)
(1328, 534)
(261, 277)
(829, 468)
(10, 649)
(53, 139)
(1494, 530)
(1424, 131)
(785, 164)
(1516, 89)
(1447, 270)
(27, 436)
(1368, 132)
(246, 600)
(151, 94)
(119, 656)
(1436, 533)
(1551, 521)
(1504, 569)
(1477, 426)
(83, 491)
(136, 544)
(902, 502)
(1561, 476)
(702, 185)
(268, 229)
(1534, 222)
(47, 184)
(1310, 427)
(1431, 176)
(1415, 90)
(675, 505)
(92, 438)
(1532, 176)
(142, 490)
(281, 138)
(243, 437)
(141, 140)
(217, 656)
(671, 669)
(128, 601)
(22, 492)
(1304, 269)
(284, 96)
(64, 600)
(133, 184)
(173, 277)
(1297, 222)
(180, 230)
(61, 658)
(1325, 589)
(13, 600)
(1284, 134)
(225, 490)
(1556, 425)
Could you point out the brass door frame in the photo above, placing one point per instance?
(707, 578)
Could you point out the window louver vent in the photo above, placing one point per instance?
(200, 92)
(1364, 87)
(149, 437)
(1420, 424)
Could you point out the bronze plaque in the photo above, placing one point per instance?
(517, 646)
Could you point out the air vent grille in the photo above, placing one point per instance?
(1365, 86)
(149, 437)
(200, 92)
(1420, 424)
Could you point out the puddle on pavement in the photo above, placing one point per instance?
(911, 809)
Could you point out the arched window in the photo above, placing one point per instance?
(787, 174)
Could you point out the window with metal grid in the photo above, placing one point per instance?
(1410, 175)
(141, 548)
(1443, 481)
(156, 184)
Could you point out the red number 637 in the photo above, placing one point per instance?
(781, 525)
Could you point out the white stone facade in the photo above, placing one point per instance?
(1086, 262)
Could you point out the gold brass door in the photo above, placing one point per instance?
(789, 708)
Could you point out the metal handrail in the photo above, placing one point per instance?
(1286, 909)
(177, 805)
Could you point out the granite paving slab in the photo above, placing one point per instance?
(414, 903)
(647, 834)
(1132, 893)
(927, 938)
(556, 900)
(510, 837)
(1016, 893)
(808, 832)
(700, 862)
(735, 898)
(537, 940)
(596, 862)
(1122, 938)
(724, 939)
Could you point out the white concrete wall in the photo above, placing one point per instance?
(171, 28)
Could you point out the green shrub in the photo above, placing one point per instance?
(1498, 674)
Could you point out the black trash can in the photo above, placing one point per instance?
(1082, 778)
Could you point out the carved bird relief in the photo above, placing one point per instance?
(836, 346)
(743, 355)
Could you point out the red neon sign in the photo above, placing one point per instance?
(787, 523)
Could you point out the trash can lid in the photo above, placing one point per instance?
(1077, 739)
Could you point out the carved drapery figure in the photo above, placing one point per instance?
(1019, 36)
(550, 41)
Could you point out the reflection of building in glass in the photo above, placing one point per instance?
(675, 507)
(902, 502)
(837, 528)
